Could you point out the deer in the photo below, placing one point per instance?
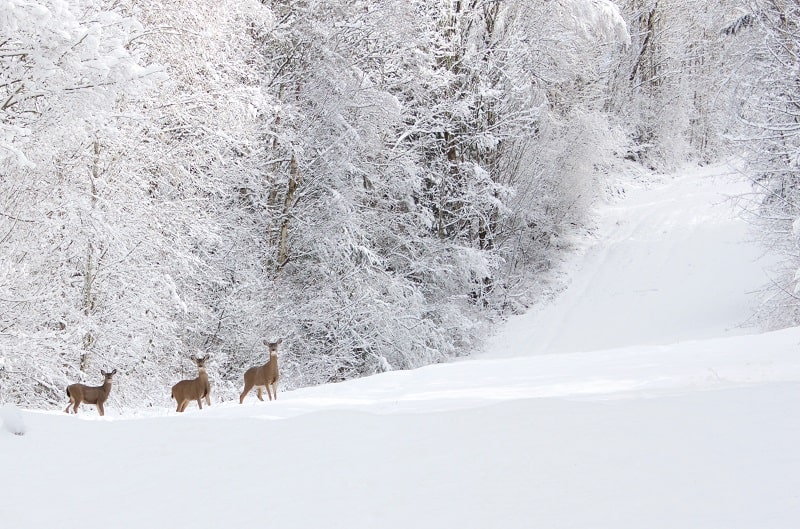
(263, 376)
(194, 389)
(97, 395)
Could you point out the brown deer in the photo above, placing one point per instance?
(194, 389)
(97, 395)
(263, 376)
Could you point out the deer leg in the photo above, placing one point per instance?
(260, 392)
(180, 406)
(200, 402)
(245, 392)
(100, 408)
(66, 410)
(75, 408)
(208, 398)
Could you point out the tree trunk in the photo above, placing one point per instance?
(88, 297)
(294, 181)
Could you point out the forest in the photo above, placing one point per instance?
(377, 183)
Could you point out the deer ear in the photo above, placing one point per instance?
(102, 372)
(193, 357)
(207, 357)
(113, 372)
(280, 340)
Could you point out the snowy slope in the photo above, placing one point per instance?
(686, 421)
(669, 264)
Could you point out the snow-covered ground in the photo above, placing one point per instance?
(634, 400)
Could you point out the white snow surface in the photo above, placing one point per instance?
(11, 419)
(635, 399)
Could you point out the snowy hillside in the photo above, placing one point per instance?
(635, 400)
(669, 264)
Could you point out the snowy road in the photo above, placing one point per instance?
(669, 264)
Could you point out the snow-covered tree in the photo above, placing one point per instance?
(66, 70)
(666, 90)
(765, 39)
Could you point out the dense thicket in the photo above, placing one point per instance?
(373, 181)
(765, 41)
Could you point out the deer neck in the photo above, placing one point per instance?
(202, 374)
